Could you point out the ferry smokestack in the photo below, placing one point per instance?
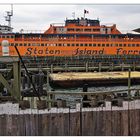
(5, 48)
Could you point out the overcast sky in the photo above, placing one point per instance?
(39, 17)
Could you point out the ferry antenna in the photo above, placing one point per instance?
(9, 15)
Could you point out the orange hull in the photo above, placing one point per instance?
(73, 51)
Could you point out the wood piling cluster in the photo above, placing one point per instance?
(98, 121)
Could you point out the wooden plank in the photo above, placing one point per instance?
(124, 123)
(104, 123)
(133, 123)
(99, 122)
(15, 125)
(108, 115)
(22, 129)
(60, 124)
(36, 124)
(118, 133)
(87, 123)
(66, 124)
(94, 123)
(53, 125)
(114, 123)
(44, 124)
(90, 123)
(75, 124)
(39, 124)
(27, 124)
(8, 124)
(137, 124)
(0, 125)
(3, 125)
(32, 124)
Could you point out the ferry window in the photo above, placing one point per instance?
(3, 36)
(42, 44)
(87, 30)
(29, 44)
(103, 45)
(63, 44)
(124, 45)
(12, 36)
(59, 44)
(94, 44)
(7, 36)
(90, 44)
(20, 44)
(129, 45)
(137, 45)
(77, 29)
(16, 44)
(70, 29)
(81, 44)
(45, 44)
(133, 45)
(0, 44)
(72, 44)
(108, 45)
(86, 45)
(77, 44)
(116, 45)
(120, 45)
(99, 44)
(68, 44)
(12, 44)
(25, 44)
(96, 30)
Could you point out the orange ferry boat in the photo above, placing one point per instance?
(78, 37)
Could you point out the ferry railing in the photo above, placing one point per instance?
(80, 40)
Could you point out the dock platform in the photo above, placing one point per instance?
(73, 79)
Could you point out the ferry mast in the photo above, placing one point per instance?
(8, 16)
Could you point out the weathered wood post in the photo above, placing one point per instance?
(112, 66)
(47, 90)
(100, 67)
(66, 67)
(122, 66)
(51, 68)
(41, 80)
(17, 79)
(86, 66)
(134, 66)
(129, 83)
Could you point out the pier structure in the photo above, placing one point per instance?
(14, 87)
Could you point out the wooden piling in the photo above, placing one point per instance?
(86, 66)
(100, 67)
(129, 83)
